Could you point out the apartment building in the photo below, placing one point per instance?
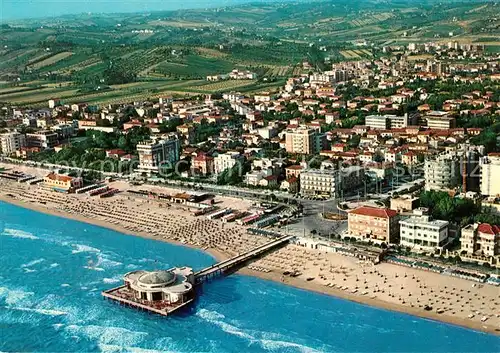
(42, 139)
(421, 232)
(387, 121)
(262, 169)
(490, 172)
(330, 182)
(11, 142)
(158, 152)
(294, 171)
(481, 239)
(440, 120)
(227, 160)
(203, 164)
(319, 182)
(442, 173)
(375, 224)
(301, 140)
(404, 203)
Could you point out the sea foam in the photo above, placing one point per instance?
(17, 233)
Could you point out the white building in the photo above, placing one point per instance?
(156, 153)
(387, 121)
(490, 172)
(442, 173)
(319, 182)
(11, 142)
(226, 160)
(42, 139)
(64, 130)
(330, 182)
(440, 120)
(173, 286)
(420, 232)
(481, 239)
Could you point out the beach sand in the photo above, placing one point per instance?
(387, 286)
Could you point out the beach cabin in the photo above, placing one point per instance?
(62, 183)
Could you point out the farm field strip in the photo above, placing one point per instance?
(80, 66)
(50, 60)
(221, 86)
(14, 89)
(20, 94)
(39, 97)
(349, 54)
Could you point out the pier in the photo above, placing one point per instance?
(165, 291)
(234, 263)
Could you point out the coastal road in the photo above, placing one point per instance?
(312, 220)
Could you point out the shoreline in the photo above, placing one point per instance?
(271, 276)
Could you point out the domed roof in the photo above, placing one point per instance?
(157, 277)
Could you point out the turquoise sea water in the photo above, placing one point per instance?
(52, 271)
(18, 9)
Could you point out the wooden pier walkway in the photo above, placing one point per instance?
(229, 264)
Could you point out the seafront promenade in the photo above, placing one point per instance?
(385, 285)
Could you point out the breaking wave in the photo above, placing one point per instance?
(16, 233)
(84, 248)
(48, 312)
(32, 263)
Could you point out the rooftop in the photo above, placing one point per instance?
(374, 212)
(424, 220)
(489, 228)
(57, 177)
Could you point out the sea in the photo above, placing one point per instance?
(52, 271)
(21, 9)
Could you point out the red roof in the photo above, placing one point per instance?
(57, 177)
(117, 152)
(488, 229)
(374, 212)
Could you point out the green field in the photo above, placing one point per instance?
(194, 66)
(89, 52)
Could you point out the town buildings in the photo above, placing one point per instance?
(404, 203)
(376, 224)
(157, 153)
(440, 120)
(319, 182)
(421, 232)
(42, 139)
(330, 182)
(202, 164)
(442, 173)
(301, 140)
(227, 160)
(481, 239)
(11, 142)
(490, 175)
(386, 121)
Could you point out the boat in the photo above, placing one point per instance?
(309, 278)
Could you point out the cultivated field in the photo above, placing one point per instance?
(50, 60)
(221, 86)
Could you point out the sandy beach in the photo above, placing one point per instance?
(456, 301)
